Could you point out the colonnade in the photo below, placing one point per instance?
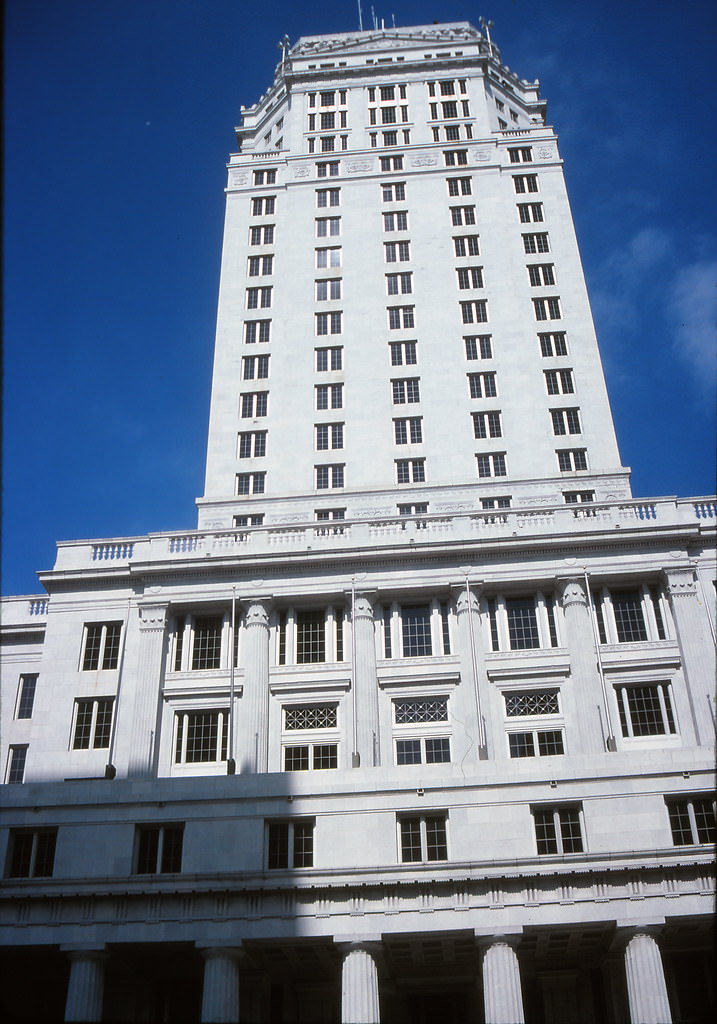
(360, 969)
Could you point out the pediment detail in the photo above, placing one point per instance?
(378, 40)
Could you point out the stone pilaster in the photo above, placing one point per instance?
(646, 988)
(252, 718)
(697, 650)
(86, 986)
(596, 730)
(152, 626)
(220, 993)
(471, 650)
(365, 696)
(501, 984)
(359, 986)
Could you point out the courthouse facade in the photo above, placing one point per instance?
(419, 722)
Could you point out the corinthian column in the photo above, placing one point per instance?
(501, 985)
(86, 987)
(148, 683)
(220, 993)
(584, 672)
(253, 725)
(359, 987)
(365, 695)
(646, 988)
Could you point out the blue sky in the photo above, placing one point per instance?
(118, 123)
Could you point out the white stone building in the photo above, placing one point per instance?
(418, 724)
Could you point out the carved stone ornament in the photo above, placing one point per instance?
(681, 582)
(481, 156)
(152, 617)
(424, 161)
(573, 592)
(463, 604)
(363, 609)
(257, 614)
(302, 171)
(358, 165)
(238, 178)
(545, 152)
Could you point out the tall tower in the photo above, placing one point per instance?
(403, 319)
(419, 724)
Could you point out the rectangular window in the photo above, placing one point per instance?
(93, 723)
(538, 743)
(408, 431)
(525, 183)
(310, 716)
(400, 318)
(267, 177)
(395, 221)
(466, 245)
(547, 309)
(479, 347)
(255, 367)
(541, 274)
(101, 646)
(328, 143)
(536, 244)
(553, 344)
(423, 750)
(158, 849)
(328, 436)
(405, 391)
(530, 213)
(470, 277)
(310, 636)
(397, 252)
(521, 155)
(328, 323)
(258, 298)
(254, 404)
(391, 163)
(559, 382)
(329, 396)
(558, 829)
(461, 215)
(252, 445)
(410, 471)
(16, 760)
(290, 844)
(388, 115)
(201, 737)
(257, 331)
(522, 623)
(26, 696)
(328, 289)
(394, 192)
(31, 853)
(330, 257)
(416, 630)
(328, 227)
(565, 421)
(459, 186)
(522, 704)
(328, 197)
(455, 157)
(420, 711)
(474, 312)
(692, 820)
(264, 206)
(399, 284)
(250, 483)
(482, 385)
(423, 838)
(260, 266)
(491, 465)
(403, 353)
(329, 477)
(327, 169)
(263, 235)
(572, 459)
(645, 710)
(329, 358)
(486, 424)
(416, 509)
(241, 522)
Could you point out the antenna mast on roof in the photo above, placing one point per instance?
(487, 26)
(360, 16)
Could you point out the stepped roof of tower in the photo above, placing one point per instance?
(377, 39)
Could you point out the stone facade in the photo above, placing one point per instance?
(390, 751)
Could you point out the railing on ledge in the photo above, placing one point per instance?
(459, 526)
(38, 606)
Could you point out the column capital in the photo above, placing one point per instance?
(77, 951)
(362, 605)
(372, 946)
(236, 953)
(572, 591)
(152, 617)
(468, 600)
(625, 933)
(681, 581)
(257, 611)
(486, 941)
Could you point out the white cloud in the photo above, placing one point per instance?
(693, 305)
